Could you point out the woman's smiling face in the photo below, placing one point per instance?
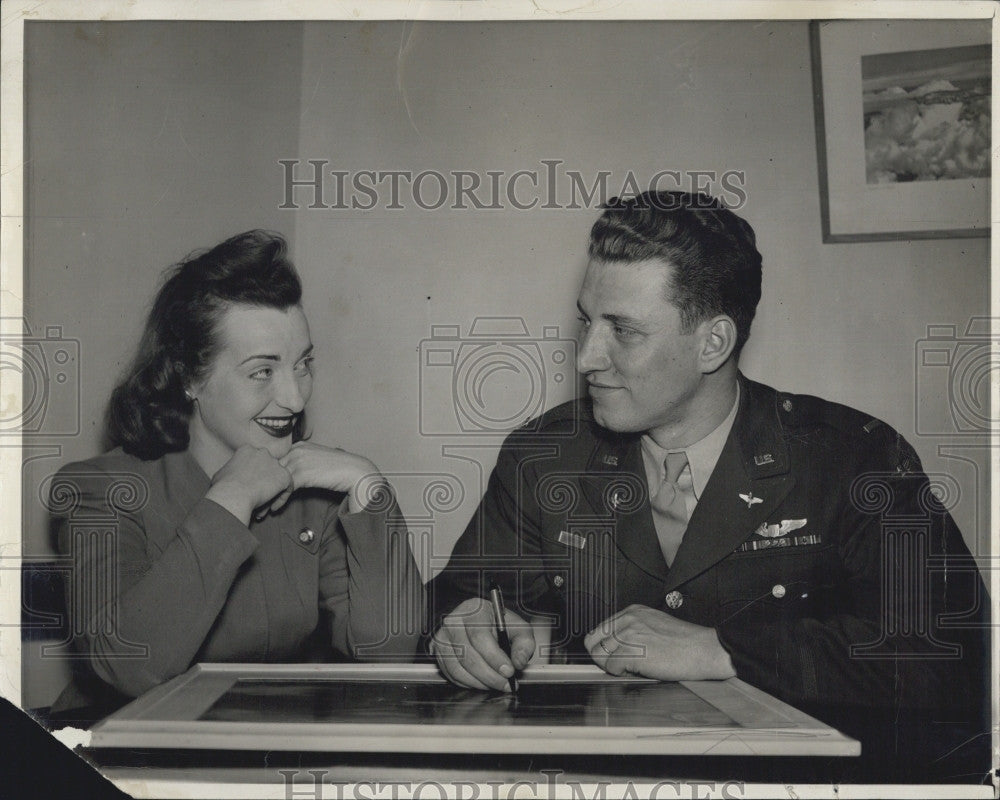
(257, 386)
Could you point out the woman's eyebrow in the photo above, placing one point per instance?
(275, 357)
(263, 356)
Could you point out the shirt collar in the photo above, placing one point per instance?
(702, 455)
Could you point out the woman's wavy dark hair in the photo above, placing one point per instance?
(149, 412)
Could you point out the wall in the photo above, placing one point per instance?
(149, 140)
(143, 143)
(138, 152)
(840, 321)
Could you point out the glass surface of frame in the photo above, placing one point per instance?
(411, 708)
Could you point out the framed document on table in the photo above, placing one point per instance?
(411, 708)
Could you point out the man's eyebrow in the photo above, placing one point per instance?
(616, 319)
(621, 319)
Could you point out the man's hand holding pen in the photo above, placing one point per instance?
(503, 639)
(468, 652)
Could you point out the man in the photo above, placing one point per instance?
(687, 523)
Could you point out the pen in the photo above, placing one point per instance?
(502, 638)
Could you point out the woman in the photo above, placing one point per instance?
(232, 537)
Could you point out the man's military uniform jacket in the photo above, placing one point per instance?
(830, 571)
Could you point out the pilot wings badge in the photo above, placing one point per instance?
(750, 500)
(785, 527)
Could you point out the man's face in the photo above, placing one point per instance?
(642, 371)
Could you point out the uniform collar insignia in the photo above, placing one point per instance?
(750, 500)
(759, 430)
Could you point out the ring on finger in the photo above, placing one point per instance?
(604, 647)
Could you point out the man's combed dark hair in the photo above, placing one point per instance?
(713, 252)
(149, 412)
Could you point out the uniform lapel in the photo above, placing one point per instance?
(604, 469)
(616, 488)
(750, 480)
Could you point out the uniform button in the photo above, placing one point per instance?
(778, 591)
(558, 581)
(787, 405)
(306, 536)
(674, 599)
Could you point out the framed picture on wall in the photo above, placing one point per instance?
(902, 128)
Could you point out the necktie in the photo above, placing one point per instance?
(669, 507)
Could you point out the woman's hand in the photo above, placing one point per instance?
(313, 465)
(251, 478)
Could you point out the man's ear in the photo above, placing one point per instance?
(718, 340)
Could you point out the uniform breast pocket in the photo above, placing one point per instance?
(775, 580)
(583, 565)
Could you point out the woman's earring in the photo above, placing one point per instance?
(189, 396)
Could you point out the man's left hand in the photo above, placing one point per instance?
(643, 641)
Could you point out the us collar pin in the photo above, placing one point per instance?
(750, 500)
(761, 460)
(611, 461)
